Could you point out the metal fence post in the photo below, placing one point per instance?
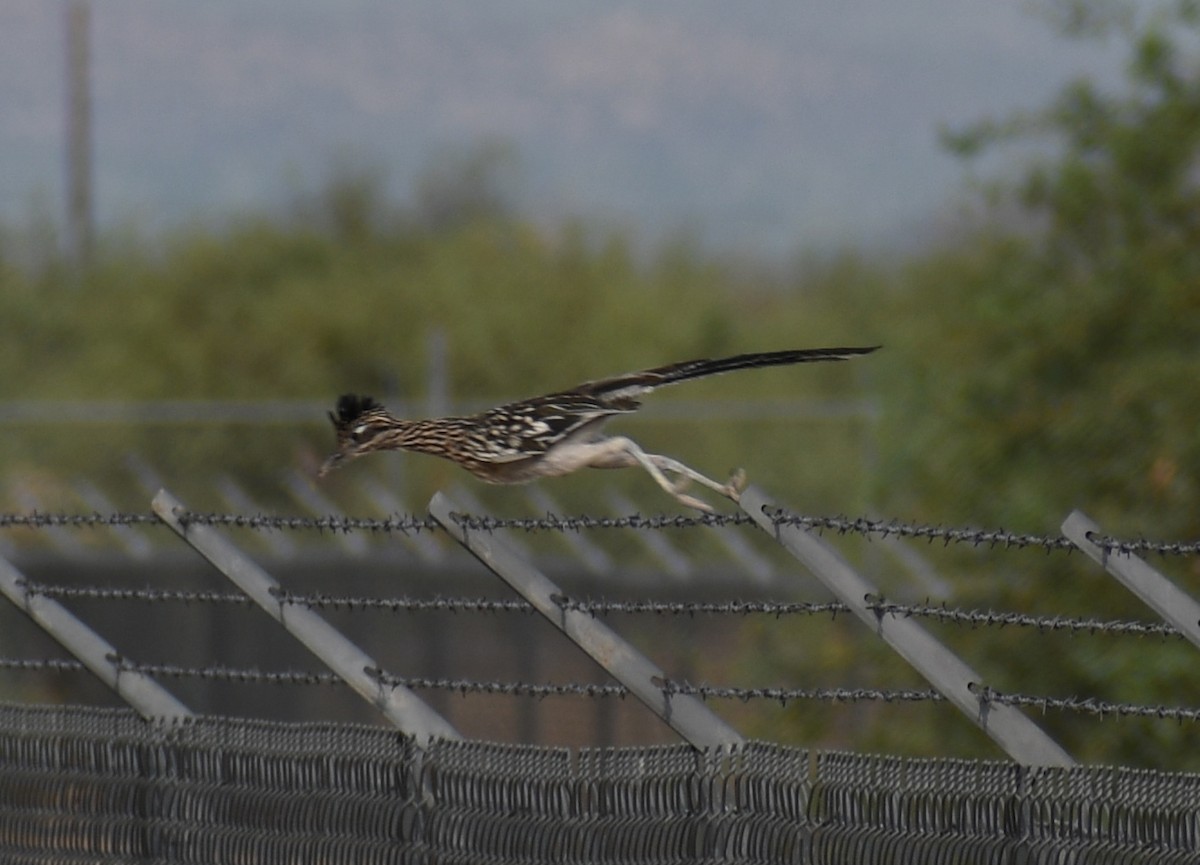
(1168, 600)
(689, 717)
(148, 698)
(400, 705)
(1021, 738)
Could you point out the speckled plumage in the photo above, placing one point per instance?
(550, 435)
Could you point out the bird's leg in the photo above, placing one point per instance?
(621, 452)
(730, 490)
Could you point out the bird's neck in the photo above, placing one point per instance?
(429, 436)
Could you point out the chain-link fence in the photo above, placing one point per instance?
(103, 786)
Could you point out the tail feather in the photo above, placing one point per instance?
(636, 384)
(677, 372)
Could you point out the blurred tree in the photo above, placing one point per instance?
(352, 206)
(1065, 355)
(461, 186)
(1054, 364)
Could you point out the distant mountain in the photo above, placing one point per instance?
(760, 127)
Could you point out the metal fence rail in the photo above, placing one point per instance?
(218, 789)
(104, 786)
(671, 698)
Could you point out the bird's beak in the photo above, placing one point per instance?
(330, 464)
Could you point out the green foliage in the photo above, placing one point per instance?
(1055, 367)
(1069, 354)
(343, 295)
(1029, 369)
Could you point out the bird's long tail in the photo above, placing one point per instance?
(690, 369)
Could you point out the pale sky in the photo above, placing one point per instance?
(764, 127)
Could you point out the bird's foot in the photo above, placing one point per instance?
(735, 485)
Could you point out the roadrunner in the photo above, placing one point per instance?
(556, 434)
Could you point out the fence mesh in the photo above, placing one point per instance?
(102, 786)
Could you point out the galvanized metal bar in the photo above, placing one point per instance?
(302, 490)
(1020, 737)
(592, 557)
(931, 583)
(281, 544)
(135, 544)
(64, 540)
(400, 705)
(674, 563)
(423, 545)
(685, 714)
(1173, 604)
(148, 698)
(749, 561)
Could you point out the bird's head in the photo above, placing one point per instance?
(360, 423)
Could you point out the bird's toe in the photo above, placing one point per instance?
(691, 502)
(737, 482)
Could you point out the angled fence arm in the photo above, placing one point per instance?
(1174, 605)
(400, 705)
(148, 698)
(686, 715)
(1019, 736)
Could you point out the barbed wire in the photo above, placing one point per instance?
(410, 523)
(1090, 706)
(151, 596)
(783, 696)
(43, 520)
(469, 686)
(1051, 624)
(602, 607)
(212, 673)
(396, 524)
(400, 523)
(931, 533)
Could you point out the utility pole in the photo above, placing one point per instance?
(79, 136)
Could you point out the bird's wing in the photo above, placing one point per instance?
(531, 427)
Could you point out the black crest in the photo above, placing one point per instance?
(350, 407)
